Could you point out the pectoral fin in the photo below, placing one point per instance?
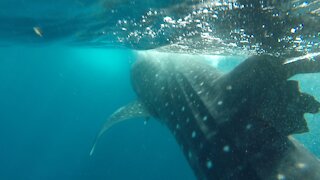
(133, 110)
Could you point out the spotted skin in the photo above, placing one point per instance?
(235, 125)
(226, 124)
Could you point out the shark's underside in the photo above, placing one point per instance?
(229, 126)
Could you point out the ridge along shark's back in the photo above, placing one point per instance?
(232, 126)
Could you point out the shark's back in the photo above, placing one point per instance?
(229, 126)
(180, 95)
(221, 123)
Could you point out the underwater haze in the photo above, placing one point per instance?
(53, 102)
(65, 68)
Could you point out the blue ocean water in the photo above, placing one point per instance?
(57, 88)
(54, 101)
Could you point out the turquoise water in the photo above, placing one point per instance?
(57, 88)
(54, 101)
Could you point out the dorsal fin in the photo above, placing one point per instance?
(132, 110)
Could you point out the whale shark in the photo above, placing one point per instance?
(234, 125)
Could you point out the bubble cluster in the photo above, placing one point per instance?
(222, 27)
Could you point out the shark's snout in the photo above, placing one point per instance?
(144, 71)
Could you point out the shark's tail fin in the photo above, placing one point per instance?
(133, 110)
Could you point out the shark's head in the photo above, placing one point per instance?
(157, 77)
(146, 75)
(145, 71)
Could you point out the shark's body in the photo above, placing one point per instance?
(232, 126)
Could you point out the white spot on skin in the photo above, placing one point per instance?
(249, 126)
(162, 88)
(166, 104)
(226, 148)
(220, 103)
(281, 177)
(38, 31)
(201, 84)
(205, 118)
(194, 134)
(182, 109)
(301, 165)
(229, 87)
(177, 126)
(209, 164)
(172, 113)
